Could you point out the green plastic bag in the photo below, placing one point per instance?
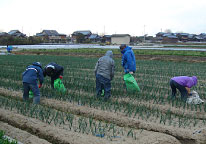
(131, 83)
(58, 85)
(102, 94)
(31, 94)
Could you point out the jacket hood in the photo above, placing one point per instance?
(126, 49)
(109, 53)
(194, 78)
(37, 64)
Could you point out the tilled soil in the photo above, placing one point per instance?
(184, 135)
(21, 135)
(140, 57)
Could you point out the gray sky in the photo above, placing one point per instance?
(134, 17)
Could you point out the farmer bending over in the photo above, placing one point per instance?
(54, 71)
(183, 84)
(30, 77)
(128, 59)
(104, 72)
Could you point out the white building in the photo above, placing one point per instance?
(120, 39)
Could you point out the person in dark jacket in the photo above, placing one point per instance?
(54, 71)
(183, 84)
(30, 81)
(104, 72)
(128, 59)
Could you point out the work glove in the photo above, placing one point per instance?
(61, 77)
(131, 72)
(40, 85)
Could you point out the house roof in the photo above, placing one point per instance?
(16, 33)
(50, 32)
(107, 36)
(4, 34)
(85, 32)
(167, 34)
(93, 36)
(183, 34)
(160, 33)
(199, 38)
(120, 35)
(191, 35)
(13, 32)
(172, 36)
(62, 34)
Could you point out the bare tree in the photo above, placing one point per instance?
(179, 32)
(168, 31)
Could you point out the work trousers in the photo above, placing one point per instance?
(34, 88)
(103, 83)
(174, 86)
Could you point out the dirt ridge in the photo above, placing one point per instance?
(122, 120)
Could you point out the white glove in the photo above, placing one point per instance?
(131, 72)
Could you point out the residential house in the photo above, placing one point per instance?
(166, 37)
(169, 38)
(191, 37)
(4, 34)
(94, 38)
(120, 39)
(52, 36)
(85, 35)
(203, 36)
(160, 34)
(106, 39)
(182, 37)
(16, 33)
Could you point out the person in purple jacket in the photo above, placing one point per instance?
(183, 84)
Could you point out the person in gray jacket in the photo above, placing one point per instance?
(104, 72)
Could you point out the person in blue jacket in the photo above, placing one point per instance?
(9, 49)
(54, 71)
(128, 59)
(30, 77)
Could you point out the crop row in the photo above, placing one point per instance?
(67, 120)
(152, 77)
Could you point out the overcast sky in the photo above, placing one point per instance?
(134, 17)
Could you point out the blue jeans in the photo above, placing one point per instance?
(34, 88)
(174, 85)
(103, 83)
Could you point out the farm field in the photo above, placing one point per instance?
(149, 116)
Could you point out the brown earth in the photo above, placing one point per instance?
(60, 136)
(184, 135)
(21, 135)
(140, 57)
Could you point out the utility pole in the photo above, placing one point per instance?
(144, 33)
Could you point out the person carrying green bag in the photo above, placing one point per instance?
(30, 78)
(129, 65)
(54, 71)
(104, 73)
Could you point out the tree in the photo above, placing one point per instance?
(168, 31)
(80, 38)
(179, 32)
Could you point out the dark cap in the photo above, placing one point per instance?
(37, 64)
(122, 46)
